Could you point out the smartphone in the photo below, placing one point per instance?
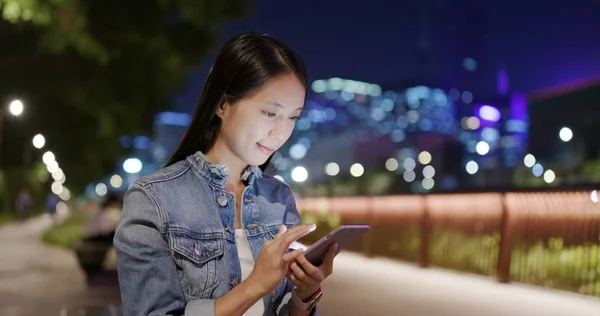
(343, 235)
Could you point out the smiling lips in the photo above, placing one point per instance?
(265, 149)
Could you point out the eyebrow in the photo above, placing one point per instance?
(281, 106)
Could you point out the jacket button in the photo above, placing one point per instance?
(222, 200)
(197, 250)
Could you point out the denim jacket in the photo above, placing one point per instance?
(175, 240)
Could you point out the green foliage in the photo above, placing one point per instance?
(6, 217)
(590, 171)
(552, 264)
(460, 251)
(67, 233)
(89, 71)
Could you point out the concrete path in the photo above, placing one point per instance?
(363, 286)
(37, 279)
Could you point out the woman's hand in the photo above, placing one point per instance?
(306, 277)
(273, 262)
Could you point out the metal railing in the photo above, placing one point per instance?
(549, 239)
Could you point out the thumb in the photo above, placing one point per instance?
(292, 255)
(282, 230)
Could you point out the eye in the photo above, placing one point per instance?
(294, 118)
(269, 114)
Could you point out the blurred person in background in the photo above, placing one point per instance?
(210, 234)
(23, 204)
(103, 223)
(51, 202)
(91, 251)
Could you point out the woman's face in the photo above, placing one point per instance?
(253, 128)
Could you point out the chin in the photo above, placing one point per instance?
(255, 160)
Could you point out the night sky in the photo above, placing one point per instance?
(541, 43)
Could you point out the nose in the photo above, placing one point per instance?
(280, 129)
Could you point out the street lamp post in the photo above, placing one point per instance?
(15, 108)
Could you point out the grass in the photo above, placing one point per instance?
(67, 233)
(6, 217)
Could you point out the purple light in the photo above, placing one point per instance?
(489, 113)
(518, 106)
(502, 81)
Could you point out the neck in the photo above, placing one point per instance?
(235, 166)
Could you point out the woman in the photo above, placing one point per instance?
(209, 234)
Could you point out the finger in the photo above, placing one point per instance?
(282, 230)
(328, 262)
(298, 273)
(294, 234)
(292, 278)
(288, 230)
(292, 255)
(308, 267)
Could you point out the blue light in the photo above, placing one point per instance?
(331, 95)
(390, 95)
(387, 105)
(489, 113)
(425, 124)
(298, 151)
(472, 146)
(398, 135)
(125, 141)
(173, 118)
(303, 124)
(402, 122)
(377, 114)
(346, 95)
(305, 142)
(537, 170)
(516, 126)
(469, 64)
(388, 127)
(316, 116)
(465, 136)
(330, 114)
(353, 108)
(141, 142)
(449, 183)
(439, 97)
(490, 135)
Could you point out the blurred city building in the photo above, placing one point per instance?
(561, 137)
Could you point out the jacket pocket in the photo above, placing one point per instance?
(197, 256)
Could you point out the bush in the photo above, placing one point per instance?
(67, 233)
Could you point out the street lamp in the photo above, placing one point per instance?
(16, 107)
(565, 134)
(39, 141)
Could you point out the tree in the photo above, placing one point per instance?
(90, 71)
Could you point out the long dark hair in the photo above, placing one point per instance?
(245, 64)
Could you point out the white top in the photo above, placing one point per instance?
(247, 264)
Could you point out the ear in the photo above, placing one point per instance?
(221, 109)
